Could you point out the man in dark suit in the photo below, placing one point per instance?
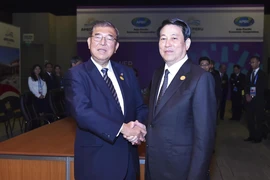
(51, 82)
(205, 63)
(106, 102)
(181, 125)
(212, 67)
(49, 77)
(224, 90)
(237, 81)
(256, 86)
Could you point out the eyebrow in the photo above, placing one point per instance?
(170, 35)
(102, 34)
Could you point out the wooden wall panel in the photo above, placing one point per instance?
(18, 169)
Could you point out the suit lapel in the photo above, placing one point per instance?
(98, 80)
(176, 83)
(155, 88)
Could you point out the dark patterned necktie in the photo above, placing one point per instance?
(253, 76)
(164, 86)
(110, 85)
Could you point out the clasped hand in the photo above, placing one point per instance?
(134, 132)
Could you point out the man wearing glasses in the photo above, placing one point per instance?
(106, 102)
(205, 63)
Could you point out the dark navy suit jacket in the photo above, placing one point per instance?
(99, 154)
(181, 129)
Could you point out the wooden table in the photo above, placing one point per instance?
(46, 153)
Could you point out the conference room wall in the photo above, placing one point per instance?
(56, 35)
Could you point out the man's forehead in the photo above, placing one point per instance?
(104, 30)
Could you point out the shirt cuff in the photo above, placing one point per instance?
(119, 130)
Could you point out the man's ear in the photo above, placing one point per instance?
(89, 42)
(116, 47)
(188, 43)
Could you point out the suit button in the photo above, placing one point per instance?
(147, 145)
(109, 136)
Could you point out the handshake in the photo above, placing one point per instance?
(134, 132)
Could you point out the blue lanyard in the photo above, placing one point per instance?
(39, 84)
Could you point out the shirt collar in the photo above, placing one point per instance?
(173, 69)
(99, 67)
(256, 70)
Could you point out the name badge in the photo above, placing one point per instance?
(252, 91)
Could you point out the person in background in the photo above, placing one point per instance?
(105, 100)
(38, 88)
(205, 63)
(224, 90)
(49, 77)
(182, 111)
(256, 86)
(237, 82)
(212, 67)
(58, 76)
(75, 60)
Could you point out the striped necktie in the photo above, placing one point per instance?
(110, 85)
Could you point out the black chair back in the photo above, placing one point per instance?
(57, 102)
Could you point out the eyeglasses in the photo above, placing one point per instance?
(99, 37)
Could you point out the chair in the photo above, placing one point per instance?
(16, 111)
(30, 113)
(5, 117)
(57, 102)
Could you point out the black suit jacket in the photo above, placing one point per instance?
(224, 84)
(51, 81)
(237, 83)
(217, 85)
(181, 130)
(261, 87)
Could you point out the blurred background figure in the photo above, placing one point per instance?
(75, 60)
(212, 67)
(38, 88)
(237, 82)
(58, 75)
(224, 90)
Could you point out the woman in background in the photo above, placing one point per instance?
(39, 88)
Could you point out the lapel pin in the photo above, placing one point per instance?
(182, 78)
(122, 76)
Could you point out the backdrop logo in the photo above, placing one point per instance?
(195, 25)
(9, 38)
(194, 22)
(88, 24)
(141, 22)
(244, 21)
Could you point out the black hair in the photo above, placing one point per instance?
(33, 75)
(178, 22)
(103, 24)
(204, 58)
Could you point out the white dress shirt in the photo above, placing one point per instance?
(33, 86)
(112, 76)
(173, 69)
(256, 70)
